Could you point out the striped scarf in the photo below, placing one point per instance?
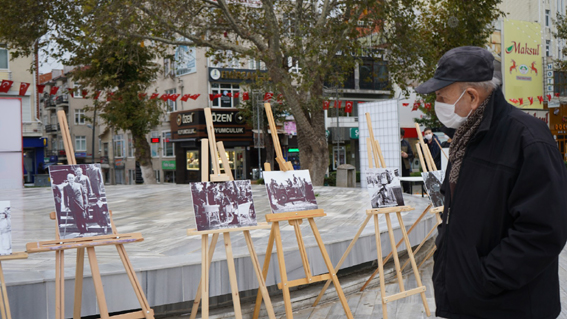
(461, 139)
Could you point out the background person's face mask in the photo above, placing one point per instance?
(446, 113)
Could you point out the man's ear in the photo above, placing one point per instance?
(474, 96)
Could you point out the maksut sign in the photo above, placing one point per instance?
(519, 48)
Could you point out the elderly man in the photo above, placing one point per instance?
(505, 216)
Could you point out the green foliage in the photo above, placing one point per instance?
(331, 180)
(418, 33)
(561, 24)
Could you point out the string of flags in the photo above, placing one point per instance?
(518, 101)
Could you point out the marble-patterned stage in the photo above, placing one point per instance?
(168, 262)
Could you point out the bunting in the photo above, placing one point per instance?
(23, 88)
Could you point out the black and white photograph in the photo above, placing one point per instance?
(290, 191)
(80, 200)
(384, 187)
(223, 205)
(5, 228)
(433, 181)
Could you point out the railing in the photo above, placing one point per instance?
(104, 160)
(63, 98)
(52, 128)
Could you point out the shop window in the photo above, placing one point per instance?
(154, 146)
(80, 143)
(169, 176)
(193, 160)
(167, 146)
(227, 92)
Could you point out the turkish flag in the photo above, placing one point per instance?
(521, 100)
(174, 97)
(194, 96)
(6, 85)
(405, 104)
(54, 90)
(549, 97)
(348, 106)
(415, 106)
(185, 97)
(211, 97)
(514, 101)
(245, 96)
(268, 96)
(531, 99)
(40, 88)
(164, 97)
(84, 93)
(556, 94)
(71, 91)
(540, 98)
(236, 95)
(229, 94)
(23, 88)
(326, 105)
(97, 94)
(338, 104)
(141, 96)
(154, 96)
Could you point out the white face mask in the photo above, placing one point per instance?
(446, 113)
(428, 136)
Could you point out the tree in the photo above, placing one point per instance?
(123, 67)
(417, 34)
(561, 23)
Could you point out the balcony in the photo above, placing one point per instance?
(49, 103)
(52, 128)
(31, 129)
(62, 99)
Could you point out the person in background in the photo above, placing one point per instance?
(407, 158)
(433, 143)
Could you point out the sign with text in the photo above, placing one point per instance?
(227, 122)
(523, 65)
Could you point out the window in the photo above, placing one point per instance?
(131, 149)
(171, 106)
(166, 67)
(192, 160)
(157, 175)
(167, 146)
(227, 92)
(256, 65)
(80, 117)
(154, 146)
(373, 75)
(3, 57)
(547, 18)
(99, 145)
(547, 47)
(80, 143)
(118, 145)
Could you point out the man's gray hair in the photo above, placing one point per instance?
(487, 86)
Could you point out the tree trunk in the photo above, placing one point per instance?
(269, 147)
(144, 157)
(314, 152)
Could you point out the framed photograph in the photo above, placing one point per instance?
(223, 205)
(432, 182)
(80, 200)
(384, 187)
(5, 228)
(290, 191)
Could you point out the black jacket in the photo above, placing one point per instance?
(506, 223)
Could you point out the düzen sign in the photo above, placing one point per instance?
(191, 124)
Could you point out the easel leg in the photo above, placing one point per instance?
(283, 271)
(134, 281)
(232, 276)
(413, 264)
(395, 253)
(197, 300)
(343, 258)
(380, 268)
(327, 260)
(265, 270)
(301, 246)
(59, 285)
(79, 283)
(261, 281)
(5, 303)
(97, 283)
(204, 277)
(420, 245)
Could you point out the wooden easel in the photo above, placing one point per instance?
(375, 152)
(207, 250)
(60, 245)
(295, 219)
(4, 302)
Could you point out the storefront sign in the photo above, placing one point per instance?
(354, 133)
(192, 124)
(168, 165)
(81, 154)
(119, 163)
(233, 75)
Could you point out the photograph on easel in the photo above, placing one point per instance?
(80, 200)
(5, 228)
(290, 191)
(384, 187)
(223, 205)
(433, 181)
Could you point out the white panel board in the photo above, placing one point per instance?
(11, 161)
(385, 123)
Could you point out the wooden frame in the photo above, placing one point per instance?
(208, 249)
(295, 219)
(4, 301)
(89, 243)
(374, 152)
